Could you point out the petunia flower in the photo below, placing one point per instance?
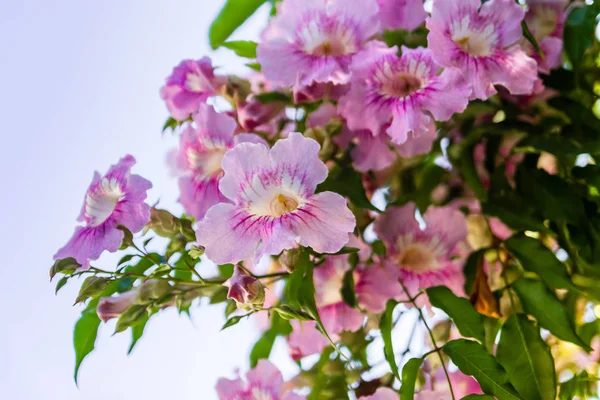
(401, 14)
(116, 199)
(198, 159)
(190, 84)
(419, 258)
(263, 382)
(483, 42)
(273, 203)
(313, 41)
(406, 93)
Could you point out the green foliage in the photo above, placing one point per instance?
(582, 386)
(468, 321)
(91, 287)
(262, 348)
(472, 359)
(579, 33)
(233, 14)
(243, 48)
(386, 325)
(347, 182)
(84, 336)
(410, 372)
(137, 331)
(540, 302)
(527, 359)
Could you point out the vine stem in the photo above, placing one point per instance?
(435, 346)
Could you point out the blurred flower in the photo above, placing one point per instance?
(116, 199)
(305, 339)
(190, 84)
(401, 14)
(114, 306)
(262, 382)
(274, 205)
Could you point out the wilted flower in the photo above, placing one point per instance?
(482, 41)
(314, 40)
(247, 291)
(407, 92)
(116, 199)
(190, 84)
(274, 205)
(263, 382)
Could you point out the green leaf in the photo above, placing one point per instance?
(232, 321)
(386, 324)
(536, 257)
(65, 266)
(472, 359)
(273, 97)
(262, 348)
(581, 385)
(243, 48)
(84, 337)
(348, 293)
(579, 33)
(125, 259)
(347, 182)
(134, 315)
(527, 359)
(171, 123)
(515, 218)
(551, 314)
(466, 165)
(91, 287)
(233, 14)
(468, 321)
(410, 371)
(288, 313)
(254, 66)
(137, 331)
(62, 282)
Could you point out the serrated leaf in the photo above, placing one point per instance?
(536, 257)
(243, 48)
(233, 14)
(386, 325)
(84, 337)
(468, 321)
(527, 359)
(137, 331)
(551, 314)
(472, 359)
(410, 371)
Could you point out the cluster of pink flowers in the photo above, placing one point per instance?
(250, 180)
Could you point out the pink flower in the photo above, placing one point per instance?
(198, 159)
(314, 40)
(305, 339)
(382, 393)
(401, 14)
(190, 84)
(482, 41)
(113, 307)
(252, 113)
(419, 258)
(335, 314)
(274, 205)
(247, 291)
(405, 91)
(546, 21)
(116, 199)
(263, 382)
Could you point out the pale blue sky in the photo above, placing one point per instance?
(80, 84)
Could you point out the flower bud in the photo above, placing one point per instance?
(247, 291)
(113, 307)
(290, 258)
(152, 290)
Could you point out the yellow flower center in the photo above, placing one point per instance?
(417, 257)
(282, 204)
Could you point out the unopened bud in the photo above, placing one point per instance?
(247, 291)
(290, 258)
(253, 113)
(113, 307)
(152, 290)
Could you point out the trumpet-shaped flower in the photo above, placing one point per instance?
(273, 203)
(264, 382)
(116, 199)
(482, 41)
(403, 94)
(198, 159)
(190, 84)
(418, 258)
(546, 21)
(314, 40)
